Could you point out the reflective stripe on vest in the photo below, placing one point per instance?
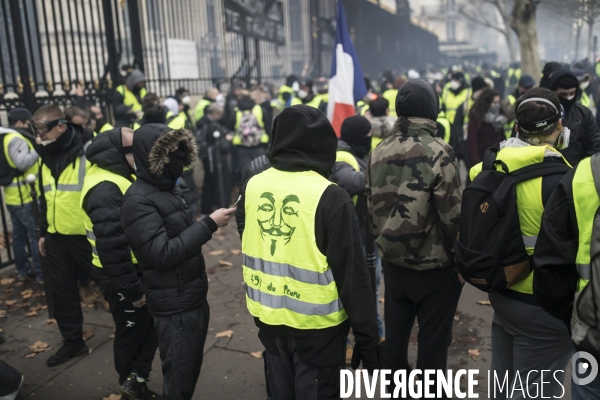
(586, 202)
(64, 213)
(346, 157)
(258, 113)
(529, 199)
(288, 281)
(390, 96)
(96, 175)
(18, 191)
(129, 99)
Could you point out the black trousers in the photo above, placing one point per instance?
(430, 296)
(304, 368)
(66, 255)
(181, 340)
(10, 379)
(136, 340)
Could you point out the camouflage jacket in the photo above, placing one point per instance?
(414, 196)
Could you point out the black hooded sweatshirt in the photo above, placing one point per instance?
(166, 241)
(304, 140)
(59, 156)
(103, 205)
(585, 136)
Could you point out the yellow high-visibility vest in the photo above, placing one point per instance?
(315, 102)
(508, 127)
(96, 175)
(288, 280)
(199, 110)
(454, 101)
(18, 191)
(442, 120)
(257, 111)
(346, 157)
(529, 198)
(390, 95)
(129, 99)
(64, 214)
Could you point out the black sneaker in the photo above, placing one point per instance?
(132, 389)
(66, 352)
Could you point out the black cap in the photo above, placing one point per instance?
(20, 114)
(526, 81)
(478, 83)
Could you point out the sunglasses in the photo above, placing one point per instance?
(41, 128)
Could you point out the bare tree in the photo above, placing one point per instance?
(476, 12)
(582, 12)
(591, 15)
(522, 21)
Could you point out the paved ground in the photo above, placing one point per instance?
(230, 371)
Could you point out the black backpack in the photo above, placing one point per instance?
(490, 251)
(7, 173)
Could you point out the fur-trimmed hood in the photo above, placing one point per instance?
(152, 144)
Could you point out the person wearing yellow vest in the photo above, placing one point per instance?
(250, 137)
(210, 96)
(303, 264)
(119, 277)
(563, 253)
(307, 96)
(526, 83)
(456, 95)
(286, 92)
(381, 122)
(390, 94)
(132, 92)
(62, 234)
(22, 160)
(179, 105)
(444, 130)
(519, 321)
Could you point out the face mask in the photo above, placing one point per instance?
(567, 102)
(495, 108)
(584, 85)
(185, 100)
(454, 85)
(295, 86)
(302, 94)
(175, 166)
(562, 142)
(220, 100)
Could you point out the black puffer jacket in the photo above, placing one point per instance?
(161, 232)
(103, 205)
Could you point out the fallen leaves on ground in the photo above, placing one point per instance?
(381, 300)
(484, 303)
(112, 336)
(31, 314)
(112, 397)
(50, 321)
(257, 354)
(474, 353)
(225, 264)
(216, 253)
(2, 313)
(10, 302)
(30, 355)
(39, 347)
(6, 281)
(38, 307)
(235, 252)
(227, 334)
(87, 335)
(26, 294)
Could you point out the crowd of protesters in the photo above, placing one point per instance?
(127, 203)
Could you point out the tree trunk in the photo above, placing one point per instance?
(522, 21)
(577, 38)
(511, 45)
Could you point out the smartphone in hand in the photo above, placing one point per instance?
(235, 203)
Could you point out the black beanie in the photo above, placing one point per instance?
(356, 126)
(20, 114)
(478, 83)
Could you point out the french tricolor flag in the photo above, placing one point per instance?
(347, 85)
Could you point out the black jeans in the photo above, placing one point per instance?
(136, 340)
(304, 368)
(66, 255)
(181, 340)
(10, 379)
(432, 297)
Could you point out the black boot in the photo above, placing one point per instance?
(66, 352)
(132, 389)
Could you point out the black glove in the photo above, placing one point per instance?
(371, 358)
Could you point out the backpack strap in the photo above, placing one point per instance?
(595, 163)
(489, 158)
(538, 170)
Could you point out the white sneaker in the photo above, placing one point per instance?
(13, 395)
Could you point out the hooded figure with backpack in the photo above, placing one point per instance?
(250, 138)
(507, 197)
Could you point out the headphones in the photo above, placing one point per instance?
(540, 125)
